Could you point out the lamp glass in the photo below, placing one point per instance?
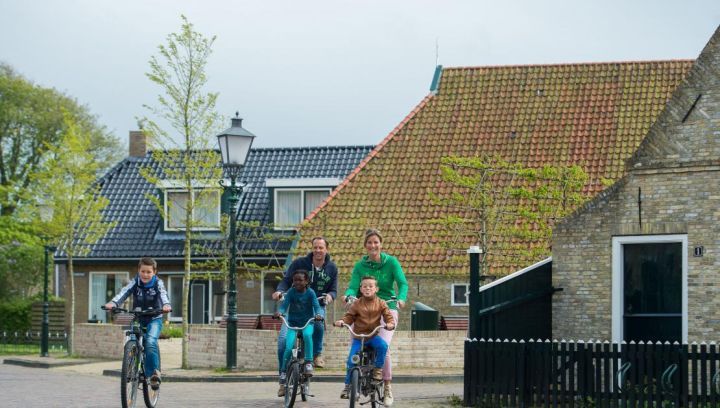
(234, 148)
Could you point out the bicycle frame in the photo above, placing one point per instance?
(296, 366)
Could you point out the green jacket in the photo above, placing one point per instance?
(388, 272)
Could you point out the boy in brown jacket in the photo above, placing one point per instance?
(364, 314)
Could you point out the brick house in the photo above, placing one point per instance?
(282, 185)
(640, 261)
(593, 114)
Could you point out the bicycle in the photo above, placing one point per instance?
(295, 375)
(133, 364)
(362, 385)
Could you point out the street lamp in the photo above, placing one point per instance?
(49, 249)
(234, 144)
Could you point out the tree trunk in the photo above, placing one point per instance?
(186, 281)
(71, 336)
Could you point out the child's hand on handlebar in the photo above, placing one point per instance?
(339, 323)
(167, 308)
(109, 306)
(277, 314)
(319, 317)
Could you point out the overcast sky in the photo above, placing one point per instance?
(330, 72)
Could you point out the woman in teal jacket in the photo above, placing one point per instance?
(387, 271)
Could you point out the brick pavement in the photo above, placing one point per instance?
(23, 387)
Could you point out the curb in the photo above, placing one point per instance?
(43, 364)
(399, 379)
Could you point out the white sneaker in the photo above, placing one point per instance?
(388, 401)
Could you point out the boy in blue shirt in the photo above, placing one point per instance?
(148, 292)
(299, 306)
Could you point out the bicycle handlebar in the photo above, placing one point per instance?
(363, 336)
(321, 298)
(285, 322)
(350, 299)
(136, 311)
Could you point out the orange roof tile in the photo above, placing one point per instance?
(594, 115)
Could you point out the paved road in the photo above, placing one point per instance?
(40, 388)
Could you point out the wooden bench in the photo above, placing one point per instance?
(268, 323)
(453, 323)
(244, 321)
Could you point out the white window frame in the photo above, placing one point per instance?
(168, 288)
(263, 275)
(618, 278)
(90, 279)
(302, 204)
(182, 190)
(467, 294)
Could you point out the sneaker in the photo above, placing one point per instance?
(345, 394)
(308, 368)
(283, 378)
(377, 374)
(319, 361)
(281, 390)
(388, 395)
(155, 380)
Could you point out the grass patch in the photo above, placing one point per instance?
(171, 331)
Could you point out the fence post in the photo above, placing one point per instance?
(474, 253)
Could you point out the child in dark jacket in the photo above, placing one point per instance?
(299, 305)
(148, 292)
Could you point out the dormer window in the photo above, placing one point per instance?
(295, 199)
(205, 212)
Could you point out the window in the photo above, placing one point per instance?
(206, 211)
(175, 291)
(459, 294)
(293, 205)
(271, 280)
(103, 287)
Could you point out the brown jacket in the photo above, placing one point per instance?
(365, 314)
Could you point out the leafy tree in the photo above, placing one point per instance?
(32, 122)
(183, 151)
(69, 187)
(505, 208)
(21, 258)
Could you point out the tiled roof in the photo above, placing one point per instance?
(138, 231)
(594, 115)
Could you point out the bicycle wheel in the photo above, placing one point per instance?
(354, 387)
(291, 385)
(129, 376)
(149, 395)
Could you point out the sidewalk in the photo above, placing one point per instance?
(171, 362)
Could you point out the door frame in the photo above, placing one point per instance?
(618, 278)
(206, 300)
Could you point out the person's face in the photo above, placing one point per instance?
(319, 250)
(373, 246)
(299, 282)
(146, 273)
(368, 288)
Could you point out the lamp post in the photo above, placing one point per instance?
(235, 144)
(49, 249)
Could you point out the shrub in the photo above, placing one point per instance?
(170, 330)
(15, 314)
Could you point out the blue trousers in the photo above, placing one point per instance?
(152, 350)
(377, 343)
(317, 340)
(307, 335)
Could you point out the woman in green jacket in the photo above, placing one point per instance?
(387, 271)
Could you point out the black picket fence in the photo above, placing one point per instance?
(28, 342)
(590, 374)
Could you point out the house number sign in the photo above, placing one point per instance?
(699, 251)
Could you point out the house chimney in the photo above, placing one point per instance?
(138, 143)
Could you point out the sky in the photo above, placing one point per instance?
(327, 72)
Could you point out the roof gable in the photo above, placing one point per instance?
(594, 115)
(687, 130)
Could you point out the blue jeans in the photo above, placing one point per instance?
(377, 343)
(152, 350)
(317, 343)
(307, 334)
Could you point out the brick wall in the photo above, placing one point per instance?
(99, 340)
(671, 188)
(257, 349)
